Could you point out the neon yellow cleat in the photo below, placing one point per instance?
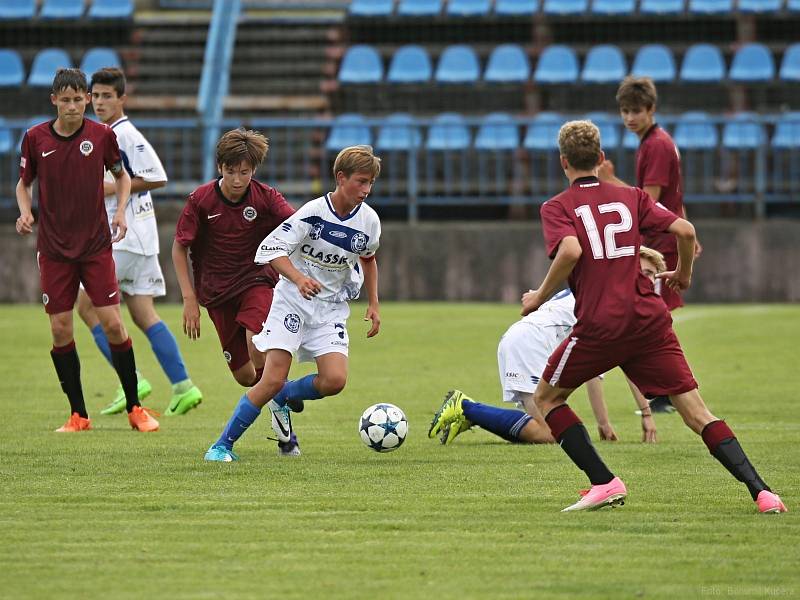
(117, 405)
(449, 421)
(183, 403)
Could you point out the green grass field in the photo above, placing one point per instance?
(117, 514)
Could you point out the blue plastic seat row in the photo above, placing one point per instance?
(500, 131)
(66, 9)
(47, 61)
(559, 64)
(483, 8)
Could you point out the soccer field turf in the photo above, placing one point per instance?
(118, 514)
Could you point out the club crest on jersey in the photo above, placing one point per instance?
(86, 147)
(316, 231)
(292, 322)
(249, 213)
(358, 243)
(227, 355)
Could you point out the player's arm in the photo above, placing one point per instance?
(567, 256)
(698, 247)
(370, 267)
(138, 185)
(308, 286)
(681, 277)
(122, 189)
(191, 308)
(594, 389)
(24, 193)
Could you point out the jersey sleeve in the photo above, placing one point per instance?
(141, 159)
(284, 238)
(111, 155)
(280, 208)
(653, 216)
(188, 224)
(27, 160)
(374, 239)
(657, 164)
(556, 225)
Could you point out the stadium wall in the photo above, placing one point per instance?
(741, 262)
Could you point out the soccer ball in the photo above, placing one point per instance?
(383, 427)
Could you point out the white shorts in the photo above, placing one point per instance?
(139, 275)
(522, 356)
(305, 328)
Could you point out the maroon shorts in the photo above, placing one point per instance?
(61, 279)
(654, 362)
(232, 319)
(671, 298)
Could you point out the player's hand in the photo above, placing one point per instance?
(607, 432)
(675, 280)
(649, 430)
(606, 171)
(191, 318)
(24, 224)
(373, 315)
(530, 302)
(309, 287)
(698, 248)
(118, 227)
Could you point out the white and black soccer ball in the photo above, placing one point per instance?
(383, 427)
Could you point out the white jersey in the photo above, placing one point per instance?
(140, 160)
(326, 247)
(559, 311)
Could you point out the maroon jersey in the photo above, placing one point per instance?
(223, 237)
(72, 212)
(613, 298)
(658, 162)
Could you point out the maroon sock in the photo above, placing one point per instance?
(724, 446)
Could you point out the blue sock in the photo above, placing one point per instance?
(102, 342)
(242, 418)
(299, 389)
(505, 422)
(166, 350)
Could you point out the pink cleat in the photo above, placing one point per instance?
(608, 494)
(770, 503)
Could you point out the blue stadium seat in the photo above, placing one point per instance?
(760, 6)
(449, 131)
(111, 9)
(30, 123)
(630, 141)
(655, 61)
(361, 64)
(348, 129)
(516, 8)
(710, 7)
(751, 63)
(661, 7)
(458, 64)
(565, 7)
(468, 8)
(419, 8)
(604, 64)
(542, 134)
(790, 65)
(787, 132)
(609, 129)
(557, 64)
(613, 7)
(6, 142)
(498, 131)
(399, 132)
(62, 9)
(17, 9)
(97, 58)
(371, 8)
(45, 65)
(695, 131)
(507, 63)
(702, 63)
(410, 64)
(743, 132)
(793, 5)
(12, 71)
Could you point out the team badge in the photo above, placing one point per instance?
(86, 147)
(45, 299)
(249, 213)
(227, 355)
(292, 322)
(316, 231)
(358, 243)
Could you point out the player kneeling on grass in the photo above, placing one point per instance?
(324, 252)
(621, 321)
(522, 356)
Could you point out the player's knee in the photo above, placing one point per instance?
(245, 379)
(62, 332)
(331, 384)
(115, 330)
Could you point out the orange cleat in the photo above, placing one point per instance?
(75, 423)
(142, 419)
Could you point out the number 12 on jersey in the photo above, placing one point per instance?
(584, 212)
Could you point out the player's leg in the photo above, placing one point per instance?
(723, 445)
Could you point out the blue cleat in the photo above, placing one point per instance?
(220, 454)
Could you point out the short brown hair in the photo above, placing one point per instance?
(357, 159)
(637, 92)
(655, 257)
(69, 78)
(111, 76)
(579, 143)
(242, 145)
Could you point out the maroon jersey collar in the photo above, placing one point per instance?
(231, 202)
(56, 135)
(580, 181)
(647, 133)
